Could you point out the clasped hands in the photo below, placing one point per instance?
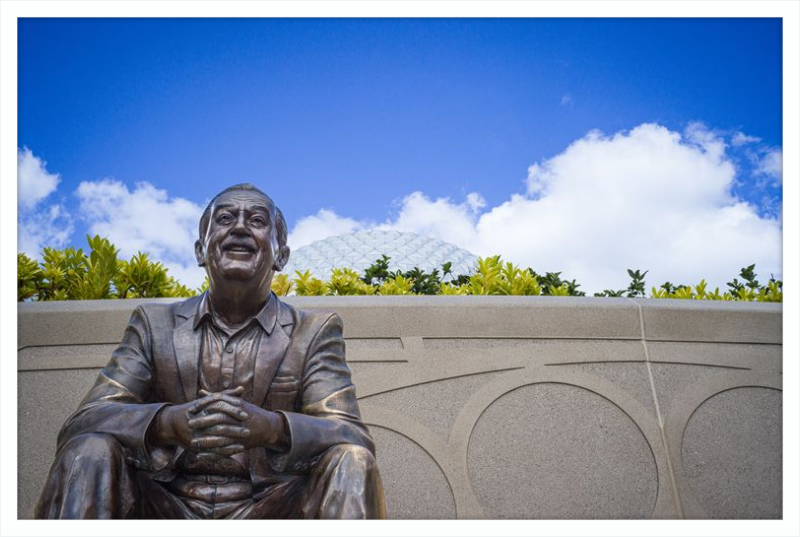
(219, 423)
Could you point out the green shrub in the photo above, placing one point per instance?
(142, 278)
(398, 285)
(553, 285)
(748, 291)
(451, 289)
(29, 277)
(486, 280)
(492, 277)
(346, 281)
(307, 285)
(282, 285)
(69, 274)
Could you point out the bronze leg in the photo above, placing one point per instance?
(89, 479)
(345, 484)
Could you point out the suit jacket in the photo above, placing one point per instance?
(300, 371)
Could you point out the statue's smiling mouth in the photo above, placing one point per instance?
(239, 248)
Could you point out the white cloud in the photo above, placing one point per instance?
(325, 223)
(770, 164)
(145, 219)
(39, 224)
(708, 141)
(645, 199)
(740, 139)
(475, 202)
(648, 199)
(34, 182)
(45, 226)
(440, 218)
(566, 100)
(766, 161)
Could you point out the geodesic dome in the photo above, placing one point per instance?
(360, 250)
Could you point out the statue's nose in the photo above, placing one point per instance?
(240, 228)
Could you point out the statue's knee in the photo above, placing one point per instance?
(352, 454)
(94, 445)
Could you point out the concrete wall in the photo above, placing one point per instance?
(507, 407)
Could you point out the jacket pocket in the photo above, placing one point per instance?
(283, 394)
(288, 385)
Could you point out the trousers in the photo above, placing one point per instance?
(90, 479)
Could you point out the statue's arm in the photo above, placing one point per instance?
(329, 412)
(118, 403)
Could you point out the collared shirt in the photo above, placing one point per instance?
(227, 361)
(228, 354)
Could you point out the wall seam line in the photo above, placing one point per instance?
(660, 421)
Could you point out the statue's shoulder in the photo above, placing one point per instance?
(165, 313)
(305, 321)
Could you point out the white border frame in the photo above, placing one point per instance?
(11, 10)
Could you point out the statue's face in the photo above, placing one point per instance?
(240, 240)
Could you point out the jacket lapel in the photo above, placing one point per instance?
(186, 343)
(271, 351)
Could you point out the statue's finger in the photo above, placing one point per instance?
(232, 431)
(209, 442)
(204, 422)
(233, 410)
(207, 456)
(238, 390)
(205, 402)
(228, 450)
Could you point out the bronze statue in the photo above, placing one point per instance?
(231, 404)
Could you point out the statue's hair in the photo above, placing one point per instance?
(275, 214)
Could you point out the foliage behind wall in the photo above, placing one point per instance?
(72, 274)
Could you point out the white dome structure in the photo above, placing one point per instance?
(360, 250)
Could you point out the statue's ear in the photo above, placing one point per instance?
(281, 259)
(199, 254)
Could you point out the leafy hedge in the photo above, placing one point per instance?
(70, 274)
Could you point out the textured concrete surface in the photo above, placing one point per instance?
(65, 356)
(525, 407)
(74, 322)
(437, 408)
(546, 351)
(732, 454)
(376, 343)
(711, 320)
(45, 323)
(47, 399)
(557, 451)
(673, 380)
(413, 483)
(731, 355)
(632, 378)
(359, 369)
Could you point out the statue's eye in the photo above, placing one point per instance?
(224, 218)
(259, 221)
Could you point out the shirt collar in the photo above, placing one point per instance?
(266, 317)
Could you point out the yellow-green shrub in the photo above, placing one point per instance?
(69, 274)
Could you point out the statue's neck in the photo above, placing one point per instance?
(235, 304)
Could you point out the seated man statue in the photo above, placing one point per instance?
(231, 404)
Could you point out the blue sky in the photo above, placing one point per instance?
(555, 142)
